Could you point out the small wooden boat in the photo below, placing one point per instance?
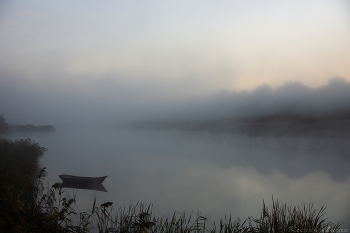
(84, 179)
(82, 182)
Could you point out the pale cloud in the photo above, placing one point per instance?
(137, 52)
(225, 45)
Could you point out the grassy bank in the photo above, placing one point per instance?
(26, 207)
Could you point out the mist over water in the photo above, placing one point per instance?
(188, 105)
(195, 161)
(216, 174)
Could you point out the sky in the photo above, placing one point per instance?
(118, 53)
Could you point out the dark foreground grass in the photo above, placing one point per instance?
(25, 207)
(54, 211)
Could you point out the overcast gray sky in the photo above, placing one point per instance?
(108, 54)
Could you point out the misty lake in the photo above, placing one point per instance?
(215, 174)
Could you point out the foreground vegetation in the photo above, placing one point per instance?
(25, 207)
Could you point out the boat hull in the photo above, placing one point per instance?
(80, 182)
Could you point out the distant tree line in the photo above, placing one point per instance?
(32, 128)
(5, 128)
(335, 125)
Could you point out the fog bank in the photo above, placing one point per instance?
(112, 103)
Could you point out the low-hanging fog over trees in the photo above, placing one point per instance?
(57, 105)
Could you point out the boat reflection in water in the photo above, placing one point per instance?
(81, 182)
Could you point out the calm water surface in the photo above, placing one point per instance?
(215, 174)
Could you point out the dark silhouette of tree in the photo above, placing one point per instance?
(3, 126)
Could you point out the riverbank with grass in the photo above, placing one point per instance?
(25, 206)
